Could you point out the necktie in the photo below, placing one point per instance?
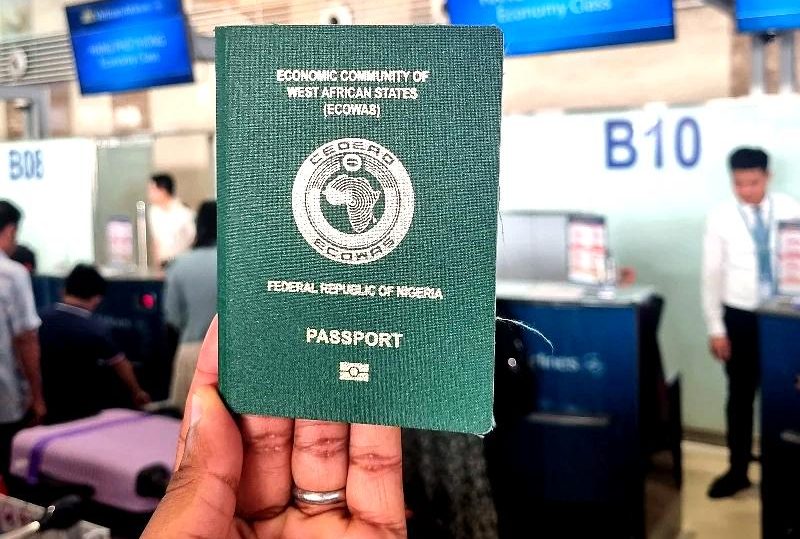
(761, 237)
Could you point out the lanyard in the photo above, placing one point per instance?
(752, 229)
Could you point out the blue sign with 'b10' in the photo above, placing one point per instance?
(532, 26)
(680, 143)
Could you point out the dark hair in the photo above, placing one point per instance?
(9, 214)
(164, 182)
(744, 158)
(24, 256)
(85, 282)
(206, 224)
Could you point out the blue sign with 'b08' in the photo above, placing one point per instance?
(765, 15)
(533, 26)
(25, 164)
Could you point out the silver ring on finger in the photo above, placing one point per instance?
(313, 497)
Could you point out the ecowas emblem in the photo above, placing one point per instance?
(353, 201)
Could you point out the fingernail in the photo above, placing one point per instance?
(196, 411)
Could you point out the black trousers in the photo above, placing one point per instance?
(743, 370)
(7, 432)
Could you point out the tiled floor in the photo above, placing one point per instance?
(703, 518)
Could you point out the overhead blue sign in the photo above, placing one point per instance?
(95, 15)
(535, 26)
(122, 45)
(766, 15)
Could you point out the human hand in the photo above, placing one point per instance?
(720, 347)
(235, 480)
(38, 410)
(141, 398)
(627, 276)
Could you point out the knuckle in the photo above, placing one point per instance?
(395, 527)
(323, 447)
(323, 443)
(267, 440)
(312, 510)
(375, 463)
(262, 513)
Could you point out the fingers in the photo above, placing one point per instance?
(721, 349)
(319, 459)
(726, 350)
(205, 374)
(265, 489)
(375, 477)
(201, 498)
(207, 371)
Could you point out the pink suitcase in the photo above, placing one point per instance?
(106, 452)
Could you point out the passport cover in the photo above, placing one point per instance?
(357, 171)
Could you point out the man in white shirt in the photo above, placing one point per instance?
(21, 399)
(171, 222)
(738, 274)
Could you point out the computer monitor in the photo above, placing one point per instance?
(789, 258)
(123, 45)
(555, 246)
(119, 242)
(587, 249)
(531, 246)
(767, 15)
(531, 27)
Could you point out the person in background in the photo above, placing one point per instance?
(738, 274)
(171, 221)
(26, 257)
(190, 299)
(21, 399)
(77, 350)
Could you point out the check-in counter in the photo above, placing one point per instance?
(133, 311)
(574, 460)
(779, 328)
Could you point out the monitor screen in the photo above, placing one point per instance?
(587, 247)
(789, 258)
(119, 242)
(767, 15)
(534, 26)
(532, 247)
(122, 45)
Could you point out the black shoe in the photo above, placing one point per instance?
(727, 485)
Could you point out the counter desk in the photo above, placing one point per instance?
(579, 421)
(779, 334)
(133, 311)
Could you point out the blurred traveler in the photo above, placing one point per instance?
(171, 221)
(77, 351)
(26, 257)
(21, 400)
(190, 299)
(738, 274)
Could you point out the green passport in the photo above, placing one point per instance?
(357, 171)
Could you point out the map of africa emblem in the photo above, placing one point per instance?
(353, 200)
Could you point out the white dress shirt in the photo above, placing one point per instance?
(173, 229)
(730, 263)
(17, 315)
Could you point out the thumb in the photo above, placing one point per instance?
(201, 498)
